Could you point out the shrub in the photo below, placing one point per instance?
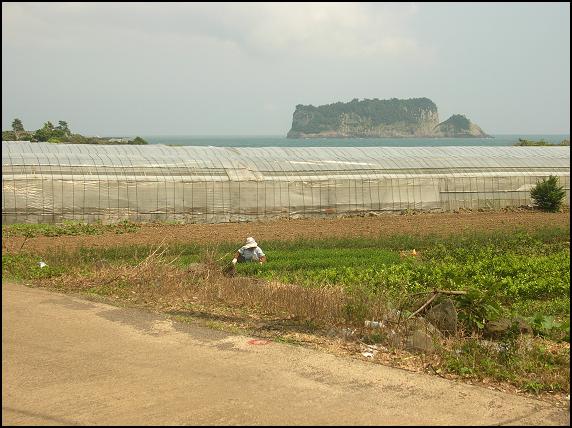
(547, 195)
(138, 140)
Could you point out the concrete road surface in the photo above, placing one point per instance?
(68, 361)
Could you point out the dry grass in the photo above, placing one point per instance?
(156, 281)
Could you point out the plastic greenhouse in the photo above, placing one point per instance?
(49, 183)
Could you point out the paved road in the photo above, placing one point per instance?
(68, 361)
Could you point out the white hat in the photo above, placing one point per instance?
(250, 242)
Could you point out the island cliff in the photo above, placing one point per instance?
(415, 117)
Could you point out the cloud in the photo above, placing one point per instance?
(335, 29)
(300, 30)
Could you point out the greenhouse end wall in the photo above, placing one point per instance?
(50, 183)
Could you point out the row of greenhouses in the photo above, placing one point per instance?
(50, 183)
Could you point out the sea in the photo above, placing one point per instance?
(281, 141)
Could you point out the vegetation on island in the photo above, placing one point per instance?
(458, 121)
(60, 133)
(458, 126)
(374, 112)
(379, 112)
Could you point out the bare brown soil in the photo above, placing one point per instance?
(371, 226)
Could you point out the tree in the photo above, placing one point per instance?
(63, 126)
(139, 140)
(17, 125)
(45, 133)
(547, 195)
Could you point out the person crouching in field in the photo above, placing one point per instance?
(249, 252)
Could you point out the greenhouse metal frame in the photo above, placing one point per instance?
(50, 183)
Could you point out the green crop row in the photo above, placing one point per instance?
(510, 274)
(68, 227)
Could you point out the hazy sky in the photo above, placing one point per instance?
(241, 68)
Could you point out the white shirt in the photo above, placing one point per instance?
(251, 254)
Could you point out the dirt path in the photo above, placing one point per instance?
(384, 225)
(68, 361)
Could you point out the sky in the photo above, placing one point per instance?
(124, 69)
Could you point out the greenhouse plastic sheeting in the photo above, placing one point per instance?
(47, 183)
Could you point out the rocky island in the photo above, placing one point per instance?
(414, 117)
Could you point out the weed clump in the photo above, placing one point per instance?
(548, 195)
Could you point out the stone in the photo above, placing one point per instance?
(419, 340)
(523, 326)
(498, 327)
(444, 317)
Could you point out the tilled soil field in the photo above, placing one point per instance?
(372, 226)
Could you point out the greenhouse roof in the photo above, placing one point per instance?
(261, 160)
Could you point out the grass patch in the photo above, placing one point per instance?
(287, 340)
(25, 266)
(531, 363)
(68, 227)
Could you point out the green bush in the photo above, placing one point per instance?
(26, 266)
(547, 195)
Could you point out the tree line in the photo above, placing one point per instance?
(60, 133)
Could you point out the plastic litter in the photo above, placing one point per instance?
(42, 264)
(408, 253)
(258, 342)
(347, 332)
(374, 324)
(370, 351)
